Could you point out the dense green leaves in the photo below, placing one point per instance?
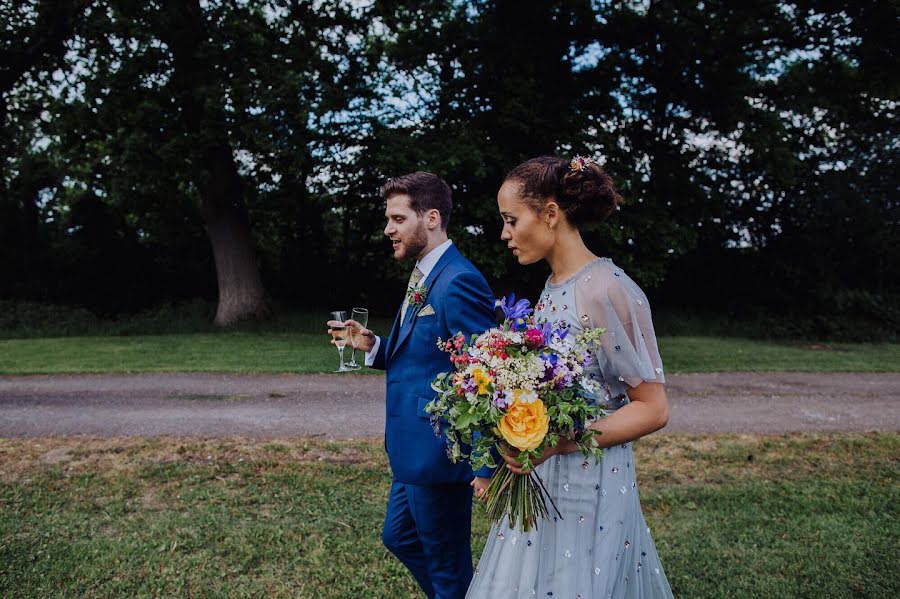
(755, 143)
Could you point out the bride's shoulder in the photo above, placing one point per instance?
(603, 271)
(604, 278)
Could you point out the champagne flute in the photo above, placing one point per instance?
(339, 332)
(360, 315)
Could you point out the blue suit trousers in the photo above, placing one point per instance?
(428, 529)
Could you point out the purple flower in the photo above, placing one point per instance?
(550, 358)
(501, 399)
(512, 309)
(547, 330)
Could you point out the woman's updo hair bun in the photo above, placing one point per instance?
(583, 190)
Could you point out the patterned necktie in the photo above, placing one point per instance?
(414, 279)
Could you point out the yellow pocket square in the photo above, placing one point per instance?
(427, 311)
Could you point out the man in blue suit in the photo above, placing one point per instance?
(429, 512)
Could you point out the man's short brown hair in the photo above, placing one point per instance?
(426, 192)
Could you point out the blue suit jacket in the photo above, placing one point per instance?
(462, 302)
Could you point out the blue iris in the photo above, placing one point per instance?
(548, 330)
(513, 310)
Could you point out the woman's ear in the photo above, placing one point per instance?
(552, 214)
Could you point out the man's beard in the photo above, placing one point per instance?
(418, 243)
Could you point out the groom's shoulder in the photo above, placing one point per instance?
(462, 265)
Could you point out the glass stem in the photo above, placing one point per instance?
(341, 351)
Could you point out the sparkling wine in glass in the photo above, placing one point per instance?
(360, 315)
(340, 333)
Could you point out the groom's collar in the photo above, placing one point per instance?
(426, 264)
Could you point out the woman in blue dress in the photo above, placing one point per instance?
(601, 546)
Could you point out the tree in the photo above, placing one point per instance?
(163, 107)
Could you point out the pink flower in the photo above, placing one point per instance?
(534, 337)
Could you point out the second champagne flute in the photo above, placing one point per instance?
(360, 315)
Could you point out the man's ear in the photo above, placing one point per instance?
(433, 219)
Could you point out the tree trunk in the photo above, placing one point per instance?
(222, 205)
(241, 293)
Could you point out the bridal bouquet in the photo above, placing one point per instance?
(520, 384)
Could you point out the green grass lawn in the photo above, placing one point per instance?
(732, 516)
(249, 352)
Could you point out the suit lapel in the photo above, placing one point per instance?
(409, 322)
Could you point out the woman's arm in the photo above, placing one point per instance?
(647, 412)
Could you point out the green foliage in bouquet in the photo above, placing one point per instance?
(520, 386)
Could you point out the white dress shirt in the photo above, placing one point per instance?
(425, 265)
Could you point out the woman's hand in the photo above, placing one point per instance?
(509, 455)
(480, 484)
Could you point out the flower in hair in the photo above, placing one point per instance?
(579, 163)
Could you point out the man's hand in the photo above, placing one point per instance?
(480, 484)
(363, 337)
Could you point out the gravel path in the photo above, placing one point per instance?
(335, 406)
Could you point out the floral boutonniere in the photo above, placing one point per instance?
(415, 296)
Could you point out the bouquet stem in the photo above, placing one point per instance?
(522, 497)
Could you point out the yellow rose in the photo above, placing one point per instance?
(525, 424)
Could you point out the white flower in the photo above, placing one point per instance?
(526, 396)
(590, 385)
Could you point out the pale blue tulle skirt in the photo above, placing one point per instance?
(600, 548)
